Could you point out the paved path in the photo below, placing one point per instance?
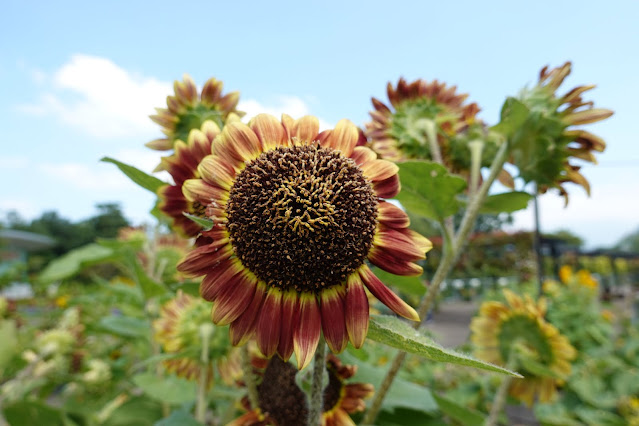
(450, 323)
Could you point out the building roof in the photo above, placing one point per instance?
(23, 240)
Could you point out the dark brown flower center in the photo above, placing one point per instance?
(302, 217)
(283, 401)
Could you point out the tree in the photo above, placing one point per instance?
(629, 243)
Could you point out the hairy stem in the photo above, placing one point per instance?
(449, 259)
(317, 386)
(502, 392)
(206, 330)
(249, 378)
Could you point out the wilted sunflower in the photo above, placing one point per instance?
(550, 141)
(283, 403)
(178, 331)
(187, 110)
(182, 165)
(296, 214)
(499, 327)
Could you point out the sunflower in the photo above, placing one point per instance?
(296, 215)
(546, 158)
(518, 328)
(177, 330)
(187, 110)
(283, 403)
(182, 165)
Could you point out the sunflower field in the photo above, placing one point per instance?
(292, 270)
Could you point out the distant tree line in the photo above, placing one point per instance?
(67, 234)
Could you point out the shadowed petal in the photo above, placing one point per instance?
(307, 330)
(390, 263)
(269, 322)
(387, 188)
(362, 155)
(224, 271)
(392, 216)
(243, 328)
(385, 295)
(333, 322)
(356, 311)
(305, 129)
(399, 244)
(233, 297)
(202, 259)
(290, 312)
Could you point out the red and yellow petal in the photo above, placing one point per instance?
(237, 143)
(333, 318)
(379, 170)
(226, 270)
(401, 243)
(269, 130)
(307, 330)
(243, 328)
(290, 314)
(356, 312)
(217, 172)
(343, 137)
(390, 215)
(304, 129)
(269, 323)
(385, 295)
(204, 193)
(202, 259)
(387, 188)
(233, 297)
(387, 261)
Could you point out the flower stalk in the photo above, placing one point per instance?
(500, 397)
(206, 330)
(449, 259)
(316, 402)
(249, 377)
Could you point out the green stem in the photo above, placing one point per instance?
(206, 330)
(444, 268)
(249, 378)
(317, 386)
(502, 392)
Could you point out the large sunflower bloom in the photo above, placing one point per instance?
(178, 330)
(187, 109)
(283, 403)
(547, 159)
(296, 214)
(500, 326)
(182, 165)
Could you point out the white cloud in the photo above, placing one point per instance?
(291, 105)
(101, 98)
(88, 177)
(13, 162)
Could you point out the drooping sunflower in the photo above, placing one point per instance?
(500, 327)
(187, 109)
(297, 213)
(547, 158)
(177, 330)
(283, 403)
(182, 165)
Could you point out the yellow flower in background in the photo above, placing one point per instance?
(565, 274)
(178, 331)
(62, 301)
(607, 315)
(518, 329)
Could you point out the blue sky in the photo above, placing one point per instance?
(78, 80)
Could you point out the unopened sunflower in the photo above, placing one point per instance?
(548, 140)
(178, 331)
(296, 214)
(283, 403)
(518, 329)
(187, 109)
(182, 165)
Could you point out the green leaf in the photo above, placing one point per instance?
(125, 326)
(537, 368)
(169, 389)
(148, 285)
(464, 415)
(506, 202)
(9, 339)
(410, 285)
(33, 413)
(148, 182)
(402, 394)
(394, 332)
(204, 222)
(513, 115)
(74, 261)
(178, 418)
(429, 190)
(594, 417)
